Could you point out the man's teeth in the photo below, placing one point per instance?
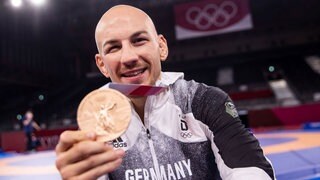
(133, 73)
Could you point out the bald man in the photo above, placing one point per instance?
(189, 131)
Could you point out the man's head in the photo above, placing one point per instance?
(130, 50)
(29, 114)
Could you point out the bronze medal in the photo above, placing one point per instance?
(106, 112)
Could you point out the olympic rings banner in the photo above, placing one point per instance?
(209, 17)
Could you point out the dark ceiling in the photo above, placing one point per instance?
(57, 41)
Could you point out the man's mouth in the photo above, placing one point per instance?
(134, 72)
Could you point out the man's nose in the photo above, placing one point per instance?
(129, 56)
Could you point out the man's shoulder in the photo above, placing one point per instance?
(192, 96)
(184, 85)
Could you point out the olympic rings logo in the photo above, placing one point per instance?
(212, 14)
(186, 134)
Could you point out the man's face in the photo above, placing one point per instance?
(130, 50)
(29, 115)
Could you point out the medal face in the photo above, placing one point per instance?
(106, 112)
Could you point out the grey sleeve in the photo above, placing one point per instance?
(237, 146)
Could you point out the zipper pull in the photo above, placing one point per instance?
(148, 134)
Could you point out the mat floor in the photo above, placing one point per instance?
(294, 154)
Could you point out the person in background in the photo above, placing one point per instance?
(29, 125)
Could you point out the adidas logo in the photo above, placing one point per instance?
(118, 143)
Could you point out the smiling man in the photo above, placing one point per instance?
(189, 131)
(130, 50)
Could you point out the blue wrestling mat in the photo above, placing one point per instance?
(295, 155)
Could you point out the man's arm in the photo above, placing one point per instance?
(240, 152)
(36, 126)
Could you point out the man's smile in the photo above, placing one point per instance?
(133, 73)
(136, 76)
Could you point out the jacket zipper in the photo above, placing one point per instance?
(153, 154)
(150, 142)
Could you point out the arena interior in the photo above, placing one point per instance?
(268, 62)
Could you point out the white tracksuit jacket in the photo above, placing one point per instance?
(190, 131)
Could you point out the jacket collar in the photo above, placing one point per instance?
(168, 78)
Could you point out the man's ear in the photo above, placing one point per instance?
(101, 66)
(163, 46)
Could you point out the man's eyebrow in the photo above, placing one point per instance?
(138, 33)
(114, 41)
(111, 41)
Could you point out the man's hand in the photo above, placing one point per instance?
(79, 156)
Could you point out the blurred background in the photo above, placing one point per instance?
(264, 54)
(47, 55)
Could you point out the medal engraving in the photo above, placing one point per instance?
(107, 112)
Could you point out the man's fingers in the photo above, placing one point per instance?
(69, 138)
(94, 162)
(80, 151)
(80, 156)
(101, 170)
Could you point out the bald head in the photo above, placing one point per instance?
(130, 50)
(116, 19)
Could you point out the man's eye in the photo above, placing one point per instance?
(112, 49)
(139, 40)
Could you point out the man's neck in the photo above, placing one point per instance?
(139, 103)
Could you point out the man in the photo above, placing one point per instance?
(28, 126)
(189, 131)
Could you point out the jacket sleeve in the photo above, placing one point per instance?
(239, 153)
